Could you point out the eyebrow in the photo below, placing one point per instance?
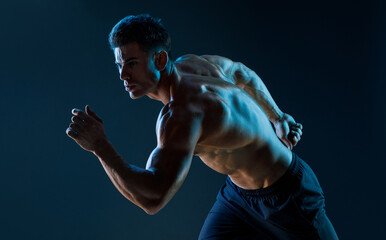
(127, 60)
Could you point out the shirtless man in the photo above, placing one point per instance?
(220, 111)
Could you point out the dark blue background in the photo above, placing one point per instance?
(324, 63)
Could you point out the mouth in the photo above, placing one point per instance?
(129, 88)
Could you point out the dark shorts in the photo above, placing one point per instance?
(291, 208)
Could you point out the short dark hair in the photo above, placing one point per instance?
(144, 29)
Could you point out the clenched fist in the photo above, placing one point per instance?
(87, 129)
(288, 131)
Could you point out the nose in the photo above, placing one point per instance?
(124, 75)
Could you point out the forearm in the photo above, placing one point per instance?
(137, 184)
(265, 101)
(148, 189)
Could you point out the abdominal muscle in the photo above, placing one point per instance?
(247, 168)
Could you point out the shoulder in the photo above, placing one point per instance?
(179, 111)
(179, 123)
(214, 59)
(223, 62)
(187, 57)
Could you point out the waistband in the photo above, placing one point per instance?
(282, 185)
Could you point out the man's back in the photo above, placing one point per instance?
(237, 138)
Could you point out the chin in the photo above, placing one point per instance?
(134, 95)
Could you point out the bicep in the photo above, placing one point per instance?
(178, 131)
(169, 166)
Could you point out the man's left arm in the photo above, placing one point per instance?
(287, 129)
(285, 126)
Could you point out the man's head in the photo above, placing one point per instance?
(143, 29)
(142, 49)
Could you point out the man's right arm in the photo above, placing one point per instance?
(150, 188)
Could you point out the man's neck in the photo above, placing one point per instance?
(164, 88)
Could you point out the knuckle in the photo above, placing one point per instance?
(72, 133)
(75, 111)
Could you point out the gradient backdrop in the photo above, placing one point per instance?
(324, 63)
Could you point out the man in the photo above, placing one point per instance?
(218, 110)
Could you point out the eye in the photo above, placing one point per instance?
(131, 64)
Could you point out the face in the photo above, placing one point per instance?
(137, 70)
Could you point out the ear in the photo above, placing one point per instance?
(161, 59)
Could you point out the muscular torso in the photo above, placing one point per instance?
(237, 138)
